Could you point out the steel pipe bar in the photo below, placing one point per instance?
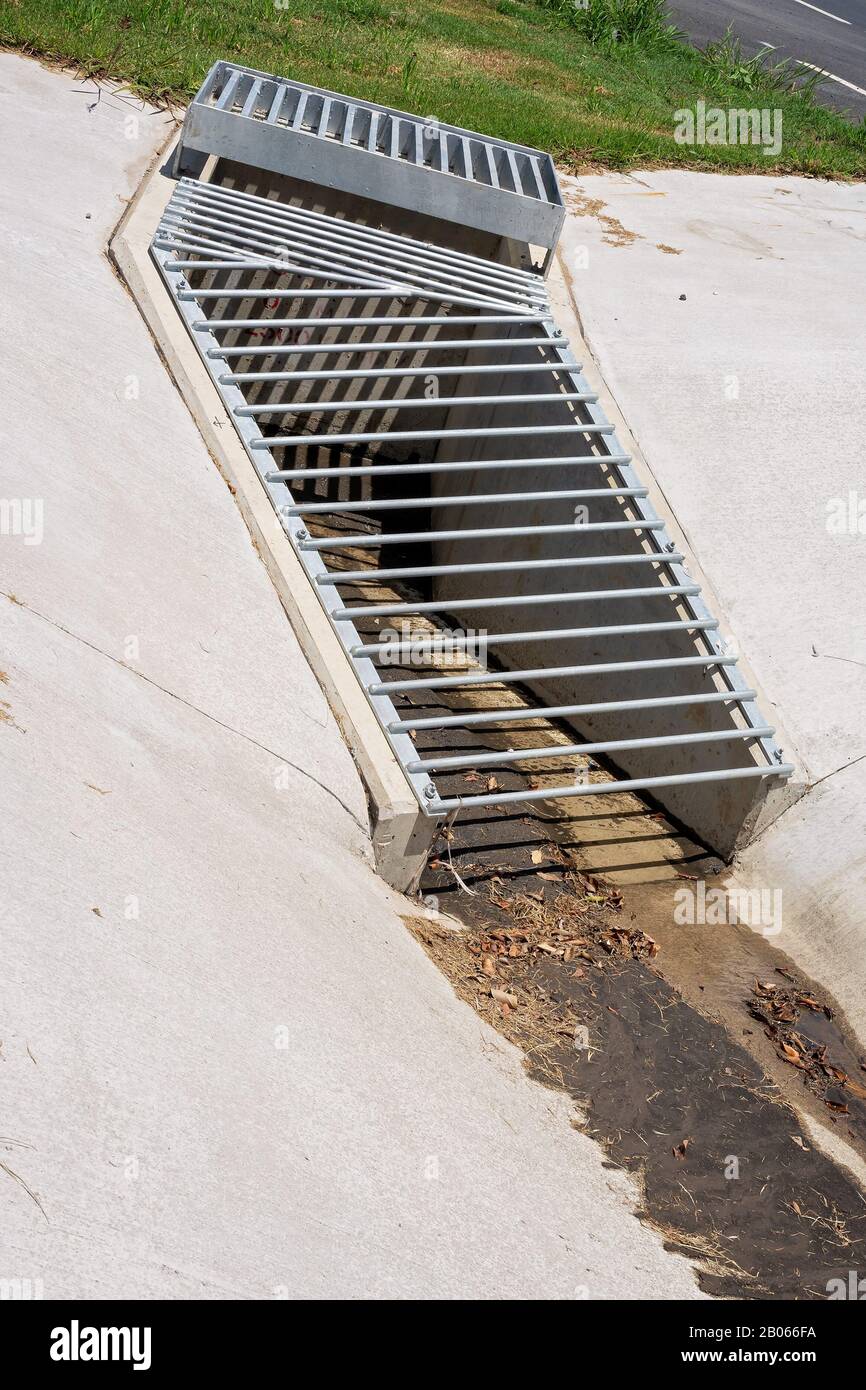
(353, 373)
(279, 475)
(631, 784)
(391, 610)
(380, 320)
(295, 407)
(418, 645)
(495, 432)
(543, 673)
(542, 752)
(387, 345)
(376, 575)
(363, 540)
(510, 716)
(480, 499)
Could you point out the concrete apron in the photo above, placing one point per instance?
(617, 837)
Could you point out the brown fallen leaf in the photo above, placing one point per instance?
(488, 966)
(680, 1150)
(552, 878)
(504, 996)
(537, 856)
(855, 1086)
(791, 1054)
(492, 784)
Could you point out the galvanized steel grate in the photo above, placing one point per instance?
(318, 333)
(374, 152)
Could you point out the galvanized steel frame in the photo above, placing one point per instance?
(374, 151)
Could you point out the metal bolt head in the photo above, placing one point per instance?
(429, 791)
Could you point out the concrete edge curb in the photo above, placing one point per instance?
(401, 832)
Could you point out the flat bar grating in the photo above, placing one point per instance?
(320, 370)
(359, 147)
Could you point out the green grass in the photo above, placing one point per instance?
(594, 86)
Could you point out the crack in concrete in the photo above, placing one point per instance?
(188, 705)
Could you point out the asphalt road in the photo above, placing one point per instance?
(831, 36)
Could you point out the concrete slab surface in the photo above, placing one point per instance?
(728, 318)
(229, 1070)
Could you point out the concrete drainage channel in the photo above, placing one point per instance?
(459, 504)
(354, 304)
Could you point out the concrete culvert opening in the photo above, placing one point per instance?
(513, 608)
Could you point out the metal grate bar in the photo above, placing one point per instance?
(541, 673)
(359, 542)
(583, 750)
(631, 784)
(454, 605)
(470, 432)
(391, 345)
(375, 576)
(472, 499)
(296, 407)
(355, 373)
(491, 465)
(421, 644)
(511, 716)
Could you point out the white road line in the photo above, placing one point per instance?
(832, 76)
(826, 13)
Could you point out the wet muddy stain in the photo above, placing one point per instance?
(727, 1174)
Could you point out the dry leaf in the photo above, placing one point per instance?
(791, 1054)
